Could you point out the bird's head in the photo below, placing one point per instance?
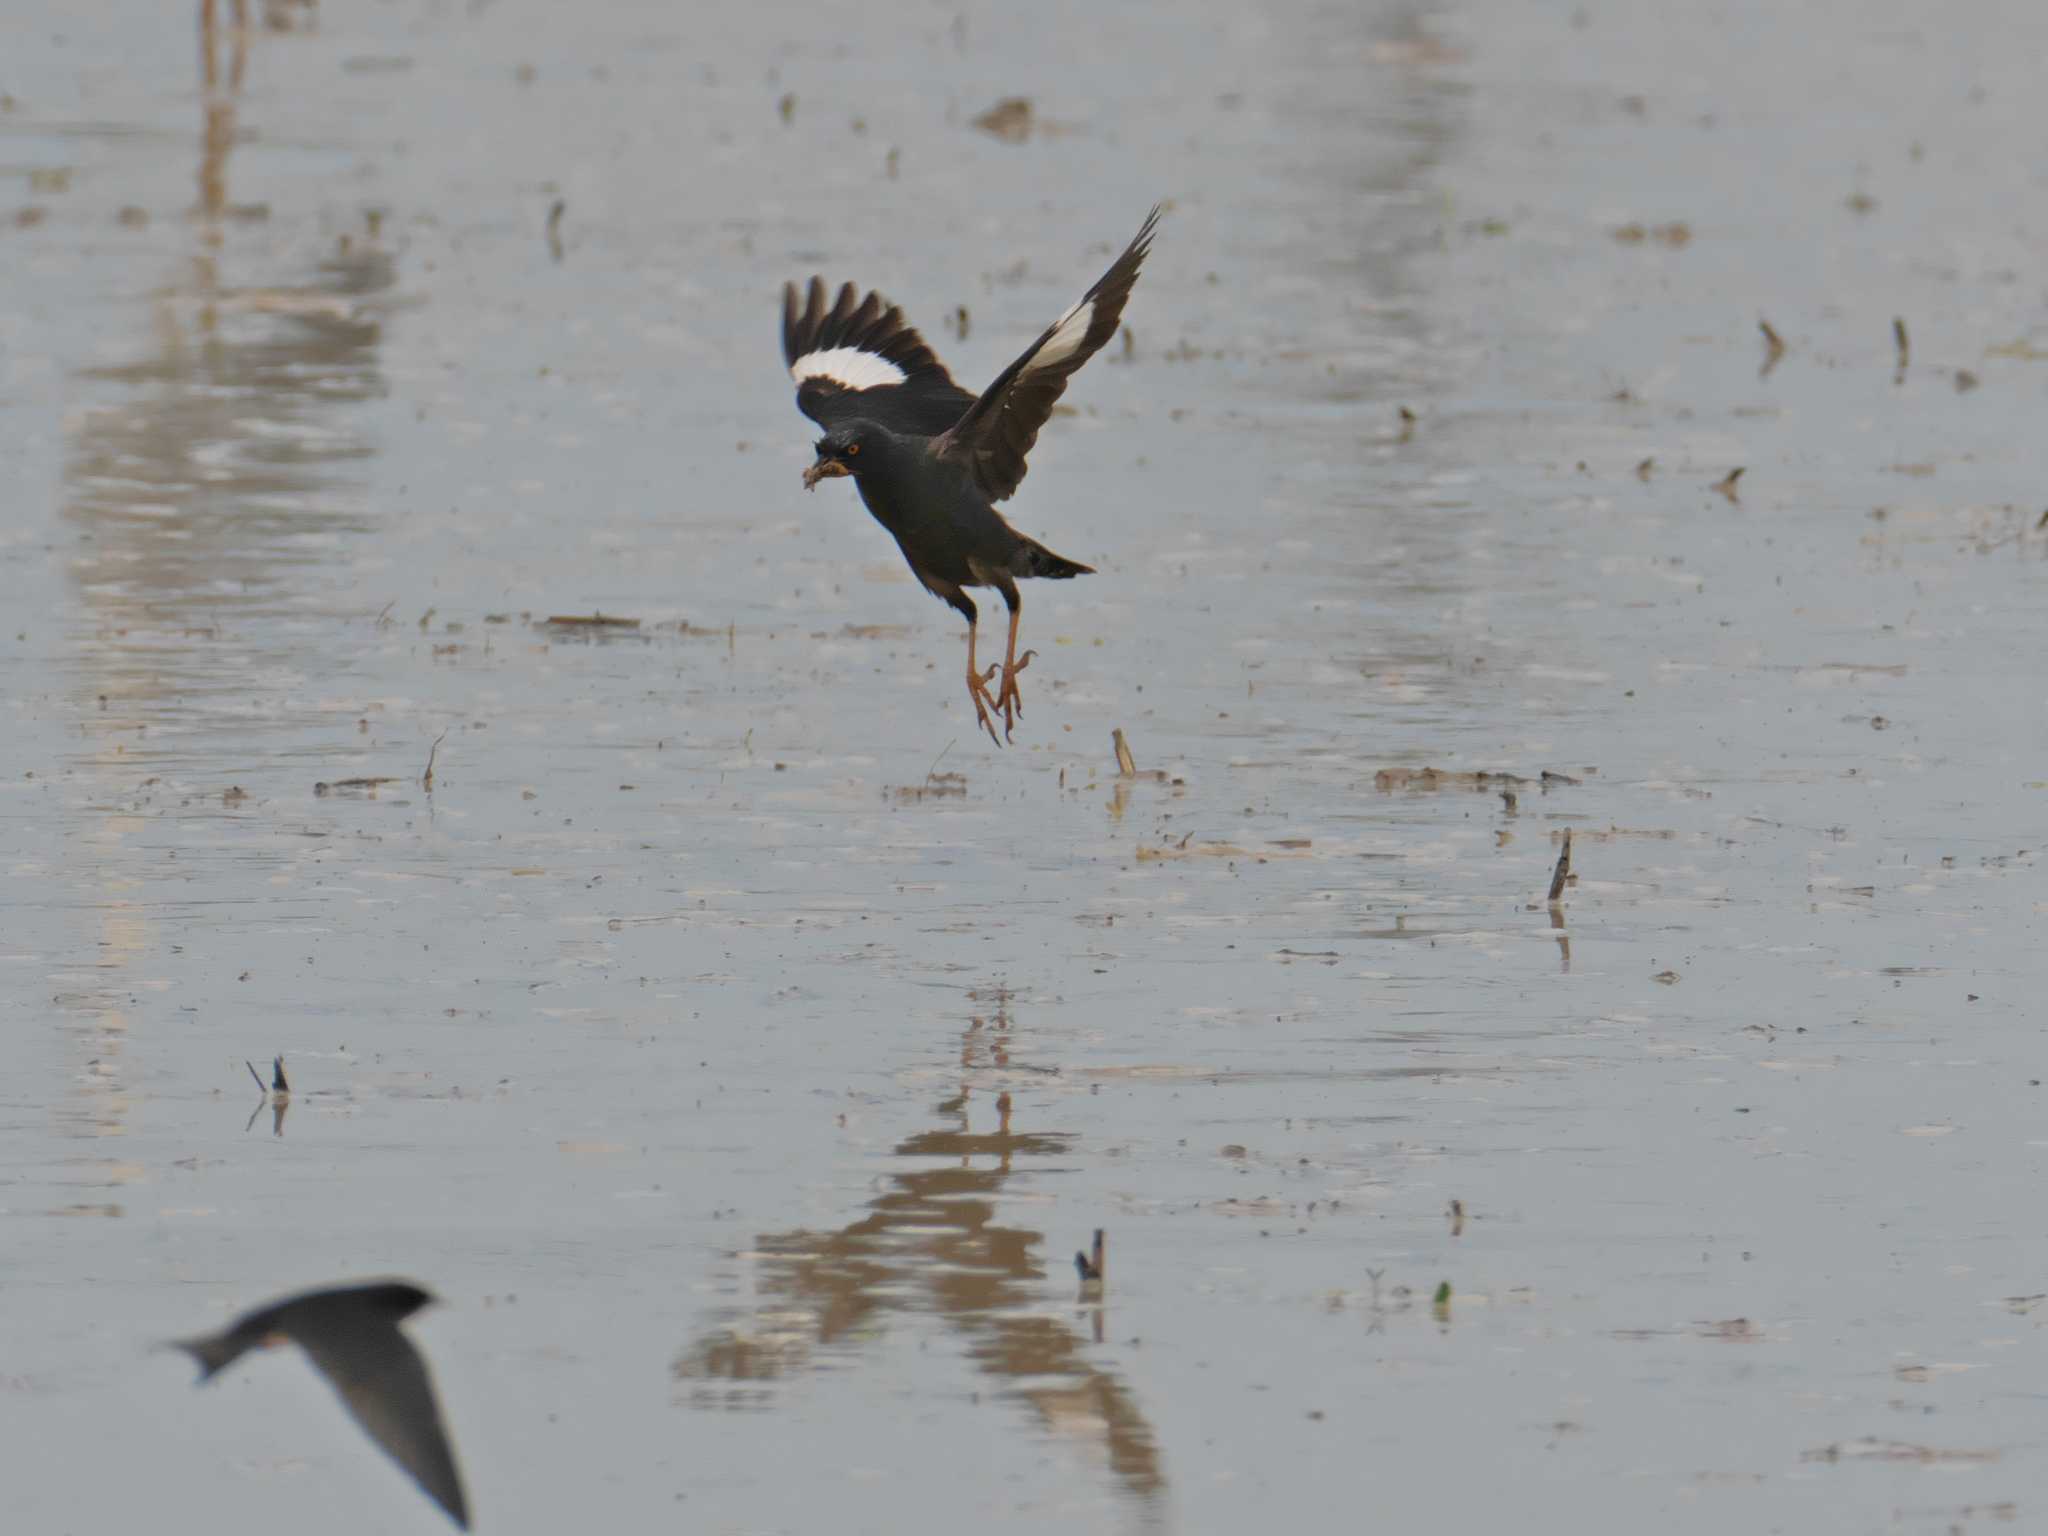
(846, 450)
(397, 1298)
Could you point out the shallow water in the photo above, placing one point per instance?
(742, 1077)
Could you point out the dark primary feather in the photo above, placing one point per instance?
(383, 1379)
(923, 405)
(992, 439)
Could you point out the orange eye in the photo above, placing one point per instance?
(853, 450)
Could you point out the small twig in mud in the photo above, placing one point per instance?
(555, 228)
(1774, 347)
(261, 1086)
(1905, 347)
(1563, 872)
(1126, 765)
(1646, 469)
(1457, 1215)
(384, 613)
(936, 761)
(323, 788)
(1407, 426)
(427, 778)
(1092, 1270)
(590, 621)
(1508, 802)
(1726, 484)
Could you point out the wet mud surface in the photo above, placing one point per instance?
(743, 1046)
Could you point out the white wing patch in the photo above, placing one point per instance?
(1066, 337)
(848, 366)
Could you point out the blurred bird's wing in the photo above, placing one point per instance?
(384, 1381)
(860, 359)
(992, 439)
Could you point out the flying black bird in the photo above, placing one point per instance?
(930, 459)
(351, 1333)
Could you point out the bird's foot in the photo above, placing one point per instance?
(984, 706)
(1008, 699)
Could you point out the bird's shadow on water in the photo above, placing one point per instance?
(930, 1245)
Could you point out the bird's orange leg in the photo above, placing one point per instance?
(1008, 699)
(977, 687)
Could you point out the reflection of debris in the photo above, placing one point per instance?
(1726, 484)
(1677, 235)
(352, 786)
(1896, 1450)
(1730, 1330)
(1185, 849)
(1563, 872)
(1387, 780)
(1774, 348)
(940, 786)
(1009, 120)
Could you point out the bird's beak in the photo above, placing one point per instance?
(824, 469)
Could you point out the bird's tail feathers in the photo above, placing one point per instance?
(213, 1351)
(1036, 560)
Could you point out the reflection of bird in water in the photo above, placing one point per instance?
(351, 1334)
(931, 460)
(929, 1245)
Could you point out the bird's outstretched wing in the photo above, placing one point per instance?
(859, 358)
(383, 1379)
(992, 439)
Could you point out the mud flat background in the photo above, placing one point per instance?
(668, 1036)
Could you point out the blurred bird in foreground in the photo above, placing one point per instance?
(351, 1334)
